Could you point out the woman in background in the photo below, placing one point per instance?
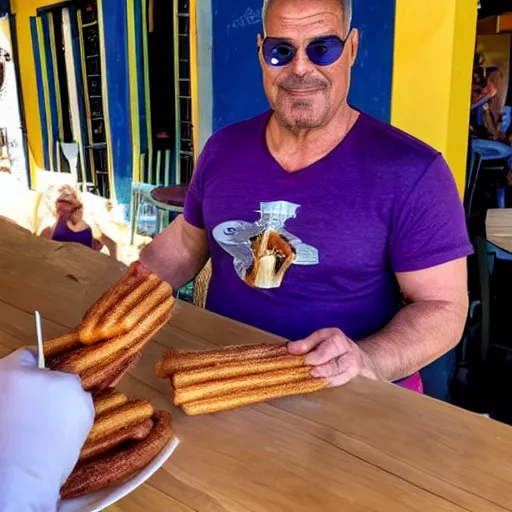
(71, 227)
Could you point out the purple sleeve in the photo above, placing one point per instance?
(429, 226)
(194, 200)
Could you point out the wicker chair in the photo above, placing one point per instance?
(201, 284)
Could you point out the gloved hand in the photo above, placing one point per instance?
(45, 418)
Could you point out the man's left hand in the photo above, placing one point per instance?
(334, 356)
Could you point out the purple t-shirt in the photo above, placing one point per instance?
(296, 252)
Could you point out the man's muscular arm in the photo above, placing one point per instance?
(420, 333)
(177, 254)
(428, 327)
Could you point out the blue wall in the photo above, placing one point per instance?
(237, 89)
(373, 72)
(116, 64)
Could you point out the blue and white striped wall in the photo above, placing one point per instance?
(413, 70)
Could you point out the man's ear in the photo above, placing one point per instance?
(259, 42)
(353, 41)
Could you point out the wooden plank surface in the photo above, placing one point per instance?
(364, 447)
(498, 226)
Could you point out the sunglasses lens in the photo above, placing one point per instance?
(277, 53)
(325, 51)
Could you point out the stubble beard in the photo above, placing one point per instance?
(301, 115)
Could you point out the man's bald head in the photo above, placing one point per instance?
(303, 93)
(345, 5)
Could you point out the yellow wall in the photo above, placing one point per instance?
(433, 62)
(23, 10)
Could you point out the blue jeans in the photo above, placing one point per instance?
(438, 377)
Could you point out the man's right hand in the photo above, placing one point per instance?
(177, 254)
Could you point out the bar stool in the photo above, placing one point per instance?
(165, 199)
(171, 198)
(140, 192)
(168, 199)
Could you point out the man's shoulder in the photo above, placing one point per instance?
(390, 142)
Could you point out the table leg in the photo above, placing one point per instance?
(134, 215)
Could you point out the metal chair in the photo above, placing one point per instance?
(472, 174)
(158, 180)
(141, 192)
(487, 254)
(495, 158)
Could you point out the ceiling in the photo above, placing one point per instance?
(4, 7)
(494, 7)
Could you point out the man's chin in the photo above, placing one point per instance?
(300, 122)
(300, 116)
(303, 124)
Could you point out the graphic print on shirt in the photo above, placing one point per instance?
(264, 251)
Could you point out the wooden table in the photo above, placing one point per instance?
(364, 447)
(498, 227)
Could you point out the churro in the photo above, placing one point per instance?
(178, 360)
(87, 330)
(131, 413)
(122, 307)
(108, 400)
(250, 382)
(235, 369)
(135, 307)
(61, 344)
(83, 359)
(252, 396)
(131, 433)
(98, 474)
(109, 375)
(138, 305)
(129, 364)
(272, 257)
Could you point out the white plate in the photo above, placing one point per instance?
(100, 500)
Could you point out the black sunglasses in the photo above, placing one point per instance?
(322, 51)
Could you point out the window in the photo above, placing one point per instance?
(170, 86)
(72, 52)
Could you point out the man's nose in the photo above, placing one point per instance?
(301, 65)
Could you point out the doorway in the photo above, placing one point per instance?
(13, 144)
(67, 47)
(169, 34)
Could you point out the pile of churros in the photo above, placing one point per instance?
(113, 332)
(126, 436)
(219, 380)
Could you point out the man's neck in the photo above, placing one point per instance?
(295, 150)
